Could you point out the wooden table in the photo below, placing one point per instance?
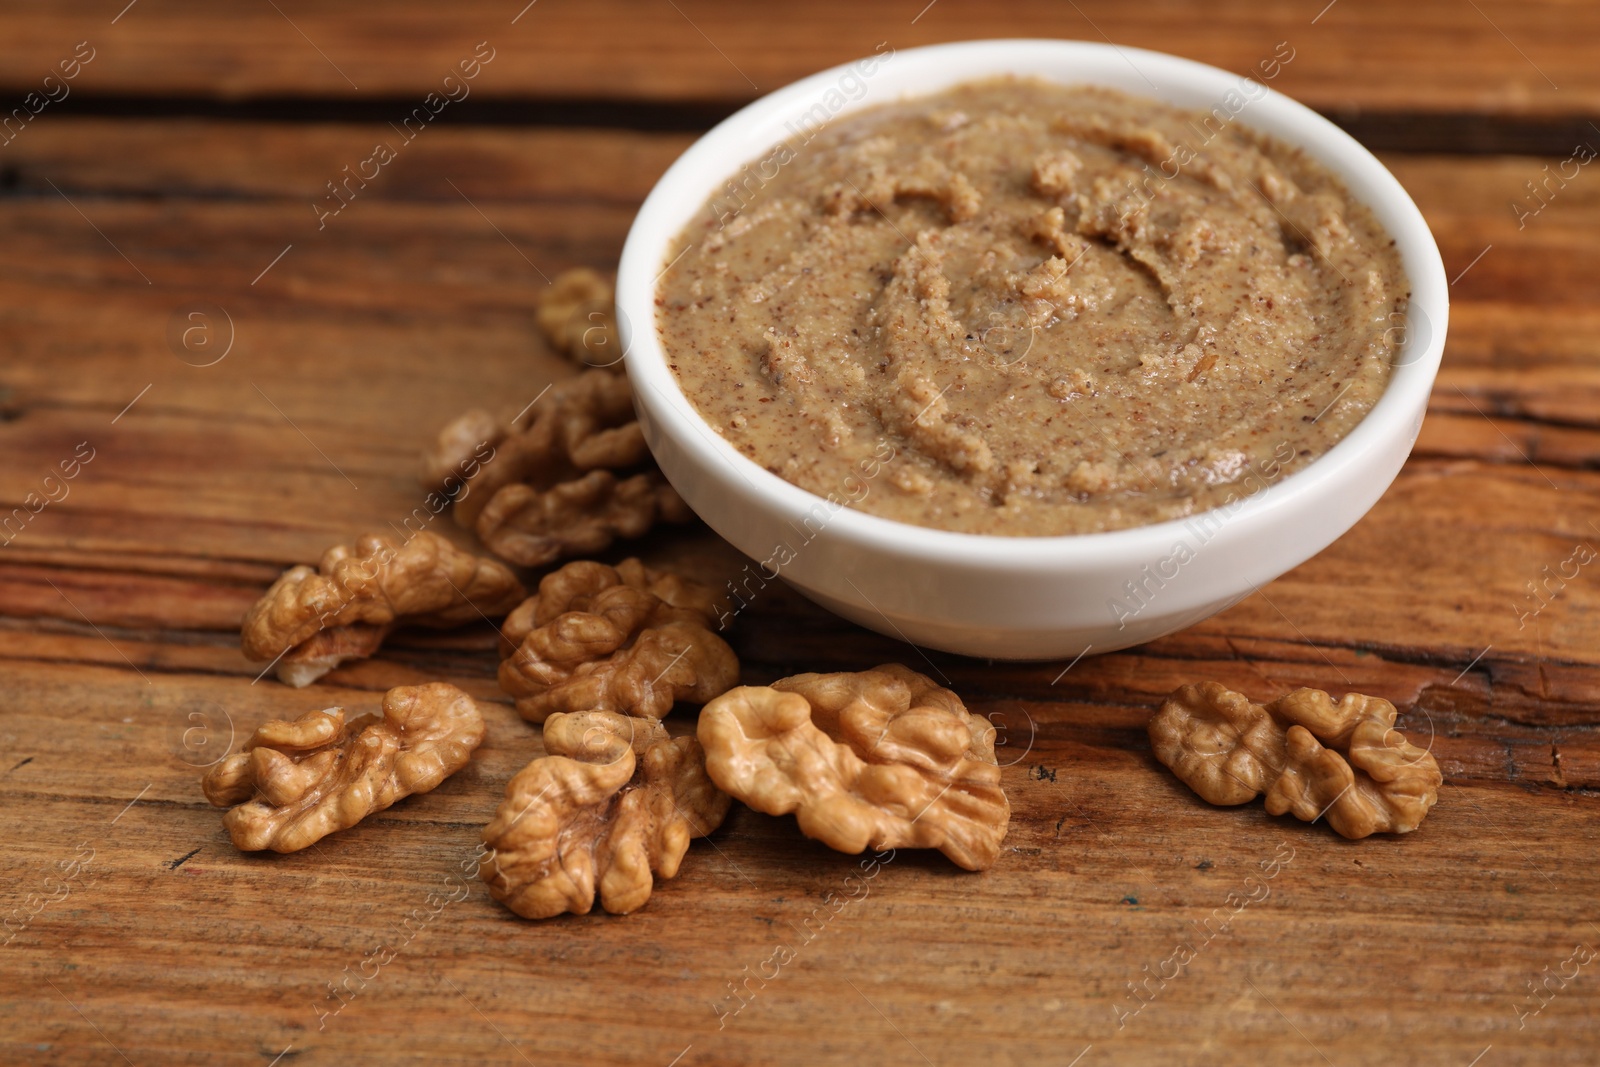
(176, 174)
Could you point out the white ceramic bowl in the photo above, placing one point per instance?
(1029, 597)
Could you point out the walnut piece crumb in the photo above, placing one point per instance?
(578, 316)
(1310, 755)
(614, 800)
(624, 638)
(311, 620)
(326, 649)
(875, 759)
(295, 783)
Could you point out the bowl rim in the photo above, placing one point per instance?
(706, 163)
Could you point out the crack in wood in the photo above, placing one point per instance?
(181, 860)
(1413, 131)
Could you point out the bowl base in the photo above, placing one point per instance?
(1019, 644)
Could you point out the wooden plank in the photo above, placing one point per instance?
(1494, 56)
(1505, 721)
(175, 948)
(1518, 349)
(1493, 231)
(207, 159)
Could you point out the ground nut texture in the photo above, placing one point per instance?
(1063, 309)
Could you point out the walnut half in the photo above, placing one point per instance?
(624, 638)
(882, 759)
(312, 619)
(295, 783)
(1310, 755)
(578, 317)
(532, 526)
(566, 476)
(614, 800)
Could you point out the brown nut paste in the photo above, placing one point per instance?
(1059, 310)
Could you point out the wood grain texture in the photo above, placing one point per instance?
(120, 672)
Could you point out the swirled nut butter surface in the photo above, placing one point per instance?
(1055, 310)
